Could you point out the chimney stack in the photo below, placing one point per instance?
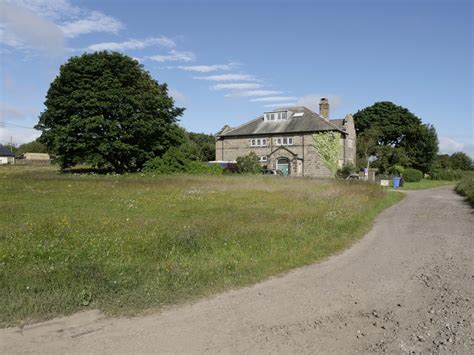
(324, 108)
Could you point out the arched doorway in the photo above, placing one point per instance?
(283, 164)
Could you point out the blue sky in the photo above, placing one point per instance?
(228, 61)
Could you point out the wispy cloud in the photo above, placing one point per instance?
(274, 99)
(133, 44)
(173, 56)
(227, 77)
(449, 145)
(281, 104)
(236, 86)
(253, 93)
(94, 22)
(21, 28)
(208, 68)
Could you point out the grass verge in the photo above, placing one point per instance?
(426, 184)
(466, 188)
(126, 244)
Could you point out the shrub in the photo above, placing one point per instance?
(450, 175)
(466, 187)
(174, 161)
(412, 175)
(346, 170)
(396, 170)
(249, 164)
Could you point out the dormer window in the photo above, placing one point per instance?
(276, 116)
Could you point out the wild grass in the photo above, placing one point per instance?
(127, 244)
(466, 187)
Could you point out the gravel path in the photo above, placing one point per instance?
(408, 286)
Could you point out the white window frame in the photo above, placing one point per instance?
(281, 141)
(263, 159)
(258, 142)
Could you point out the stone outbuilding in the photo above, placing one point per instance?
(283, 139)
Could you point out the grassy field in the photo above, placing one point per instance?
(126, 244)
(427, 184)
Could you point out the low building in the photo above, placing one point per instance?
(34, 159)
(36, 156)
(6, 157)
(283, 139)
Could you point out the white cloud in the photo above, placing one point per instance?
(18, 135)
(52, 9)
(94, 22)
(133, 44)
(208, 68)
(44, 24)
(174, 56)
(253, 93)
(448, 145)
(281, 104)
(21, 28)
(227, 77)
(274, 99)
(178, 96)
(236, 86)
(311, 101)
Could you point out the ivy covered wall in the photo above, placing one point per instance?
(327, 146)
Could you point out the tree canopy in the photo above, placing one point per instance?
(200, 146)
(457, 161)
(104, 109)
(395, 136)
(32, 147)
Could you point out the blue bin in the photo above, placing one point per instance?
(396, 182)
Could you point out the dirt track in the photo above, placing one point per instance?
(407, 286)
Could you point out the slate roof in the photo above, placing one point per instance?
(4, 152)
(338, 122)
(309, 122)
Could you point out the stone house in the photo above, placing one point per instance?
(283, 140)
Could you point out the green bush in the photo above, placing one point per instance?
(249, 164)
(412, 175)
(346, 170)
(466, 187)
(174, 161)
(396, 170)
(450, 175)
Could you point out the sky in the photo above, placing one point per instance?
(229, 61)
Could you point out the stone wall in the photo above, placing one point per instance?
(351, 140)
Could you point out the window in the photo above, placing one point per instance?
(261, 142)
(276, 116)
(284, 141)
(263, 158)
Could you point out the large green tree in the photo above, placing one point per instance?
(395, 136)
(200, 146)
(460, 161)
(104, 109)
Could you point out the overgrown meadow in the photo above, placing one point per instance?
(126, 244)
